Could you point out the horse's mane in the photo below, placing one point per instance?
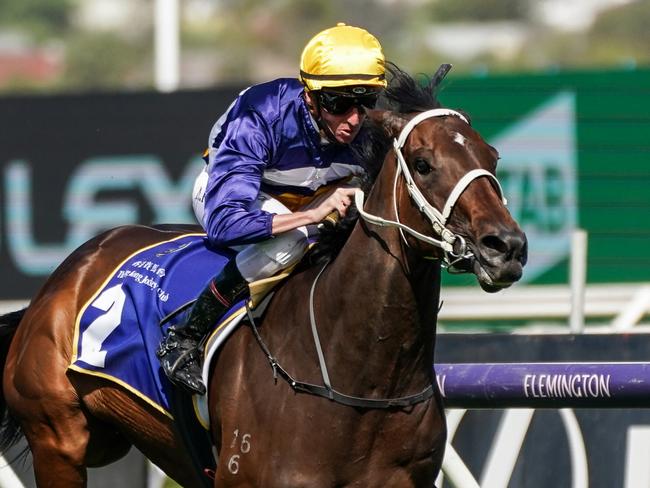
(405, 95)
(402, 95)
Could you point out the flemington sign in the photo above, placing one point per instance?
(541, 384)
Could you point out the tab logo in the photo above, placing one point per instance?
(538, 173)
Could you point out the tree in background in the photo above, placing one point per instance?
(621, 35)
(479, 10)
(90, 60)
(255, 41)
(106, 61)
(42, 18)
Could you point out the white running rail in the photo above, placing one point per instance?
(621, 305)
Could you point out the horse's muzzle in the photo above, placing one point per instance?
(500, 258)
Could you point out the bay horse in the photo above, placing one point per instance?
(360, 329)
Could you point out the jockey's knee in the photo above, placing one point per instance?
(198, 195)
(264, 259)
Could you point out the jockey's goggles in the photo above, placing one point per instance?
(340, 102)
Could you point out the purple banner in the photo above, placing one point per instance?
(544, 385)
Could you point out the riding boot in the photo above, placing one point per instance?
(179, 351)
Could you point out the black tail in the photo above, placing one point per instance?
(10, 432)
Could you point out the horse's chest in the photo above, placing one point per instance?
(336, 449)
(399, 447)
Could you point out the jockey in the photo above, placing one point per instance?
(279, 161)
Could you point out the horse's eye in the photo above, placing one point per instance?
(422, 166)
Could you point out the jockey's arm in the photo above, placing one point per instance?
(237, 171)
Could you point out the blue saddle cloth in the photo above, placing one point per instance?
(118, 330)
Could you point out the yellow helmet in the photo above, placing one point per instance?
(342, 56)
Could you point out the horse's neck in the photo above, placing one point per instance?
(386, 301)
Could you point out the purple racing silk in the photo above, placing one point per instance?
(266, 141)
(117, 331)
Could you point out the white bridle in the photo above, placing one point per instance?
(437, 218)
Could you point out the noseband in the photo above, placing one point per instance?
(453, 245)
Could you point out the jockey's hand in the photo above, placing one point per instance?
(338, 200)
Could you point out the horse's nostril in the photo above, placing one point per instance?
(510, 245)
(523, 254)
(495, 243)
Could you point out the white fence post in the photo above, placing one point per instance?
(578, 279)
(634, 311)
(167, 44)
(454, 469)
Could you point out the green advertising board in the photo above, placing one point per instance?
(575, 153)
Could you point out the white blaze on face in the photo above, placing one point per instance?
(459, 139)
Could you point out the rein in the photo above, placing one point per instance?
(447, 239)
(327, 391)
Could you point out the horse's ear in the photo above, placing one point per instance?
(466, 115)
(391, 122)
